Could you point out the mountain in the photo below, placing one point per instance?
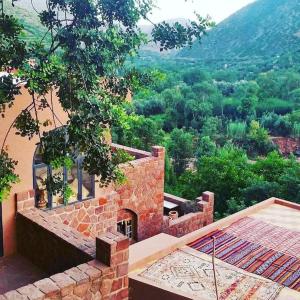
(262, 29)
(33, 29)
(27, 12)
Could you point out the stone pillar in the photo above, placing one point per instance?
(158, 151)
(206, 205)
(112, 249)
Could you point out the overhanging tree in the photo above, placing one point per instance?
(84, 64)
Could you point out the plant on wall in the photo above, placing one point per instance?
(7, 175)
(84, 64)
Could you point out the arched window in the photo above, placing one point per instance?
(81, 183)
(127, 224)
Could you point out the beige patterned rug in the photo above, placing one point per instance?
(194, 275)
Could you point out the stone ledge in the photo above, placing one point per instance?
(138, 154)
(66, 233)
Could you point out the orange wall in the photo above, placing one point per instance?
(22, 150)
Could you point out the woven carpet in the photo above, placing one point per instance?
(193, 275)
(252, 257)
(268, 235)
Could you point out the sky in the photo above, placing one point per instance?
(217, 9)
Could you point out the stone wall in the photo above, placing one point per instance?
(50, 245)
(142, 194)
(93, 280)
(89, 268)
(191, 221)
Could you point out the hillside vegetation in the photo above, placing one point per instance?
(263, 28)
(216, 116)
(33, 29)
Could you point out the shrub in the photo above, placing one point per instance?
(277, 125)
(296, 130)
(237, 130)
(275, 105)
(231, 108)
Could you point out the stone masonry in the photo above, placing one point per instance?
(96, 268)
(191, 221)
(142, 194)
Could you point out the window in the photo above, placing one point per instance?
(126, 227)
(127, 224)
(81, 183)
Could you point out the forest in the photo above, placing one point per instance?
(217, 122)
(217, 116)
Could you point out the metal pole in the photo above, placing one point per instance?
(214, 267)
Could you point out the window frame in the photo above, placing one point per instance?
(129, 228)
(80, 171)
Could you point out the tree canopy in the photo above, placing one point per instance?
(82, 59)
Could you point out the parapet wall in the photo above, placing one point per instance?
(89, 268)
(142, 194)
(191, 221)
(50, 245)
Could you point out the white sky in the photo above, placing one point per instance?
(217, 9)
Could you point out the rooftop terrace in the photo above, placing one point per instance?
(257, 256)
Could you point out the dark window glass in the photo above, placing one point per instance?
(87, 188)
(126, 228)
(42, 197)
(81, 183)
(72, 180)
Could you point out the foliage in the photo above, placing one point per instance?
(7, 175)
(206, 147)
(120, 156)
(180, 148)
(82, 56)
(211, 127)
(237, 130)
(138, 132)
(277, 125)
(226, 173)
(296, 130)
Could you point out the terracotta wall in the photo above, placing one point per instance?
(104, 278)
(51, 246)
(90, 268)
(145, 182)
(192, 221)
(142, 194)
(22, 150)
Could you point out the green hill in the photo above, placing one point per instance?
(33, 29)
(264, 28)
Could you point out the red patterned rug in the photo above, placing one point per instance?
(252, 257)
(268, 235)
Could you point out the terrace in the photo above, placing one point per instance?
(71, 241)
(256, 257)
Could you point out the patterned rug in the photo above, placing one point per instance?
(267, 235)
(194, 275)
(252, 257)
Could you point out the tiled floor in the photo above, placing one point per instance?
(16, 271)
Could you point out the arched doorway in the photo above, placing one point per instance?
(127, 224)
